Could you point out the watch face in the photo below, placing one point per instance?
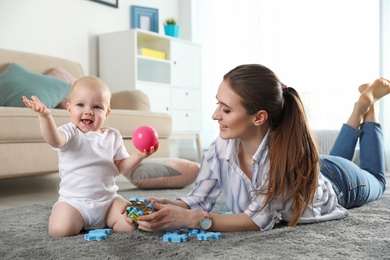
(205, 223)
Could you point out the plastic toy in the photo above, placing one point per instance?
(175, 238)
(182, 236)
(193, 232)
(145, 137)
(97, 234)
(139, 207)
(209, 236)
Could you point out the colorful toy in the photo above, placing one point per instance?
(97, 234)
(138, 208)
(145, 137)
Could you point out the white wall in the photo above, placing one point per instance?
(325, 49)
(277, 33)
(69, 28)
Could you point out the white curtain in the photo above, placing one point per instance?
(385, 72)
(324, 49)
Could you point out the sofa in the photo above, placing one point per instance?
(23, 152)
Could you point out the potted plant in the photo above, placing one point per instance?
(171, 28)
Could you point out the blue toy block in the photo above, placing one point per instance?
(193, 232)
(175, 232)
(103, 230)
(181, 236)
(209, 236)
(175, 238)
(97, 234)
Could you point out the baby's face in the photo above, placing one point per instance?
(88, 108)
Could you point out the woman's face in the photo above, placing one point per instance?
(231, 116)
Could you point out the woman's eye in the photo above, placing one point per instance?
(227, 111)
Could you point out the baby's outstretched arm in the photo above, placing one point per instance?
(130, 163)
(48, 127)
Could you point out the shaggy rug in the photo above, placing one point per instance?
(365, 234)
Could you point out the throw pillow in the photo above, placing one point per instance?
(130, 99)
(17, 81)
(164, 173)
(62, 74)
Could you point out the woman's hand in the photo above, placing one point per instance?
(169, 217)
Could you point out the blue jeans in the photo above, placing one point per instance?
(354, 185)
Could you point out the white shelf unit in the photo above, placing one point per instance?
(173, 84)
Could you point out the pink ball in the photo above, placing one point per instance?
(145, 137)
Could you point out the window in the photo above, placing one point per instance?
(324, 49)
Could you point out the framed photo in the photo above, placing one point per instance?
(144, 18)
(112, 3)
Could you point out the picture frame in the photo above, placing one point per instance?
(112, 3)
(144, 18)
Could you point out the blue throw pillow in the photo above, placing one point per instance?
(17, 81)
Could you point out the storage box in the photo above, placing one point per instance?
(151, 53)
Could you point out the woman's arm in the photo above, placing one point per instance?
(171, 217)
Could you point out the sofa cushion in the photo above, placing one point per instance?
(64, 75)
(130, 99)
(164, 173)
(17, 81)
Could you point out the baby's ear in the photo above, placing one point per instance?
(108, 112)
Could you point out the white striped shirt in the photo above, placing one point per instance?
(220, 174)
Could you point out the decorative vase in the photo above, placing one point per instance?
(172, 30)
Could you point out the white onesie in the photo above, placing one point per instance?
(88, 172)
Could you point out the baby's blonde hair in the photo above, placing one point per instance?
(94, 83)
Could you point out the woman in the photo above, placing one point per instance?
(266, 164)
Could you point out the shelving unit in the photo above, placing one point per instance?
(173, 85)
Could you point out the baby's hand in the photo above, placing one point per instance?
(129, 220)
(147, 153)
(36, 105)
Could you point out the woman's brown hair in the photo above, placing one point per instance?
(293, 153)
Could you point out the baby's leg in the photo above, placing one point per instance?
(65, 220)
(115, 219)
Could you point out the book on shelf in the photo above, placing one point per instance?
(151, 53)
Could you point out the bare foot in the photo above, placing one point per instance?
(365, 108)
(376, 90)
(370, 93)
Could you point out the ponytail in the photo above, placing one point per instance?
(293, 157)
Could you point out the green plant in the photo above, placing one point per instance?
(170, 21)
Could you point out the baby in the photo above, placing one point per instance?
(91, 156)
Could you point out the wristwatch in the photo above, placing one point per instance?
(206, 222)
